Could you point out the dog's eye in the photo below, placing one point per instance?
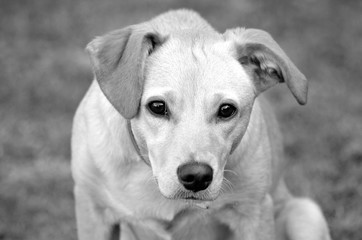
(158, 108)
(226, 111)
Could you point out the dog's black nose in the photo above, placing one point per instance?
(195, 176)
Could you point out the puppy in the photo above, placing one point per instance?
(172, 140)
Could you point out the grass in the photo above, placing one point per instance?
(44, 74)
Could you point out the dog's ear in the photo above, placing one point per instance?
(118, 61)
(266, 62)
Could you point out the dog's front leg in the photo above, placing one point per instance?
(91, 221)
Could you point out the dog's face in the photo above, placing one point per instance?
(189, 97)
(194, 109)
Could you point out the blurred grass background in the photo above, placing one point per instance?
(44, 73)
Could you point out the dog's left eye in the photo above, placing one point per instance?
(226, 111)
(158, 108)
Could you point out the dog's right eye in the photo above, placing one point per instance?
(226, 111)
(158, 108)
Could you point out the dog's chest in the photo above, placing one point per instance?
(137, 196)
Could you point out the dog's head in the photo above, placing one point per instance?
(189, 97)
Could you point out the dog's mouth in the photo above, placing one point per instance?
(201, 199)
(193, 198)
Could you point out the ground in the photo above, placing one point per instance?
(44, 73)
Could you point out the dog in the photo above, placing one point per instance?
(173, 140)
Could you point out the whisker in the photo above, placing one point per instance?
(228, 184)
(231, 171)
(222, 190)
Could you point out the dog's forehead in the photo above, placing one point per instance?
(194, 65)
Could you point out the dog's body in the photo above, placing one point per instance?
(129, 151)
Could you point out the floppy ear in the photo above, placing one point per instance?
(118, 61)
(266, 62)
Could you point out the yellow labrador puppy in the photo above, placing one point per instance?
(172, 141)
